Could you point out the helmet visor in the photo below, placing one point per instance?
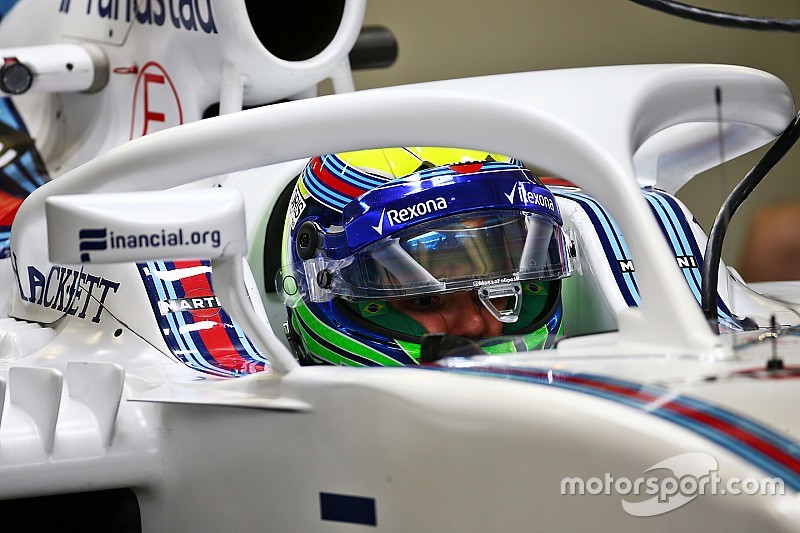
(464, 251)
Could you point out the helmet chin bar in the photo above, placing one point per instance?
(510, 314)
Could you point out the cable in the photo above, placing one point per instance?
(740, 193)
(721, 18)
(713, 252)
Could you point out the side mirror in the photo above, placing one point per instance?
(145, 226)
(165, 225)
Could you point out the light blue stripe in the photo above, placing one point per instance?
(436, 172)
(745, 423)
(6, 5)
(248, 346)
(692, 285)
(162, 289)
(175, 320)
(693, 276)
(662, 205)
(741, 449)
(672, 238)
(6, 116)
(322, 192)
(623, 253)
(352, 174)
(27, 161)
(13, 172)
(604, 221)
(680, 246)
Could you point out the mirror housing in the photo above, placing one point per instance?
(145, 226)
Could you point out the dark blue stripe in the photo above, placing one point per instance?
(17, 123)
(345, 508)
(322, 194)
(722, 307)
(593, 209)
(666, 212)
(203, 361)
(5, 241)
(676, 214)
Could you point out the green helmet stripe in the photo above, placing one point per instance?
(320, 350)
(329, 355)
(411, 348)
(346, 344)
(531, 341)
(536, 340)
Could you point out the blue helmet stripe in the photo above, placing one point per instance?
(323, 193)
(351, 174)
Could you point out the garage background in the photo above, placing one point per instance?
(442, 40)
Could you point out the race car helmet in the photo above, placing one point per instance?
(367, 229)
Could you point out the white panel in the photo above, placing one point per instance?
(16, 344)
(99, 387)
(37, 391)
(2, 399)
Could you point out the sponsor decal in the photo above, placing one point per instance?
(379, 227)
(191, 15)
(684, 261)
(529, 197)
(671, 484)
(200, 307)
(482, 283)
(99, 239)
(405, 214)
(91, 239)
(156, 104)
(296, 206)
(197, 331)
(63, 289)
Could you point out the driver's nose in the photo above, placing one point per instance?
(472, 319)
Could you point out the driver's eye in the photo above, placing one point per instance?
(424, 303)
(421, 304)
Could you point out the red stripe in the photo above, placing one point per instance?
(9, 205)
(737, 433)
(334, 182)
(616, 389)
(557, 182)
(215, 338)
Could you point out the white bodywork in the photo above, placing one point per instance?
(480, 444)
